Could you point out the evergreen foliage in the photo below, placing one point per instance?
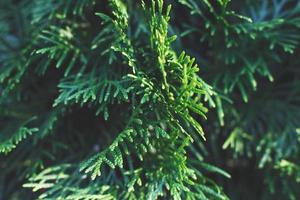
(105, 99)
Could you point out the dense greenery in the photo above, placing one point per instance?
(123, 99)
